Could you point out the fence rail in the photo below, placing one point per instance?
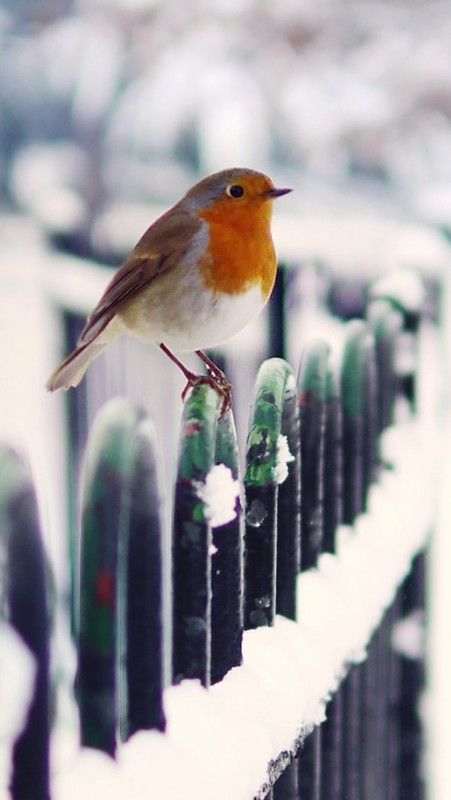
(251, 554)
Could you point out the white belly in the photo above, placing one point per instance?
(226, 316)
(194, 320)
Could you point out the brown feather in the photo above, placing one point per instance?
(71, 371)
(159, 250)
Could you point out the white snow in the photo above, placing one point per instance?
(219, 493)
(352, 240)
(283, 458)
(45, 181)
(408, 635)
(91, 774)
(17, 669)
(219, 741)
(404, 286)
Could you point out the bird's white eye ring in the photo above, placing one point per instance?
(235, 190)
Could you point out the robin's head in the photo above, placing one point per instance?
(233, 191)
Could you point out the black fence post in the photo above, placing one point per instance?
(104, 514)
(385, 323)
(227, 560)
(359, 399)
(359, 402)
(120, 525)
(267, 461)
(289, 545)
(144, 590)
(332, 728)
(312, 387)
(25, 604)
(289, 506)
(192, 539)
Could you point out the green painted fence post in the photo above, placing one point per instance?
(192, 539)
(359, 402)
(144, 656)
(386, 325)
(120, 657)
(312, 385)
(227, 558)
(24, 602)
(106, 500)
(268, 460)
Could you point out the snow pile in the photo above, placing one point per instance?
(219, 494)
(408, 637)
(283, 458)
(219, 741)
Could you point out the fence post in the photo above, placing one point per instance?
(144, 582)
(359, 398)
(120, 500)
(267, 461)
(312, 383)
(332, 728)
(26, 605)
(312, 386)
(333, 463)
(386, 324)
(227, 558)
(386, 321)
(106, 499)
(289, 506)
(191, 555)
(359, 403)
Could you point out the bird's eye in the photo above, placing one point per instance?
(235, 190)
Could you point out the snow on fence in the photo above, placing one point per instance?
(296, 592)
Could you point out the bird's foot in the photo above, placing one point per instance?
(217, 381)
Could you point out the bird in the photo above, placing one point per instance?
(197, 276)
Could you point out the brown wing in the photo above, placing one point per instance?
(160, 249)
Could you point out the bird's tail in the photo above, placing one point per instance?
(71, 371)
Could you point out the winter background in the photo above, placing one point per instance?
(111, 109)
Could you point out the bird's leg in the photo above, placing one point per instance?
(217, 380)
(212, 367)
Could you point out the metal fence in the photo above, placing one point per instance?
(238, 548)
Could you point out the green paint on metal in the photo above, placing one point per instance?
(109, 463)
(359, 343)
(192, 537)
(385, 321)
(198, 434)
(273, 379)
(313, 370)
(332, 385)
(226, 443)
(112, 454)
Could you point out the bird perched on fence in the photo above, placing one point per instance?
(197, 276)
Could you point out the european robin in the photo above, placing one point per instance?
(197, 276)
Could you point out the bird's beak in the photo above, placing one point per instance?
(272, 193)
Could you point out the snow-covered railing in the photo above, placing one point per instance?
(295, 594)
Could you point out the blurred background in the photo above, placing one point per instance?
(111, 109)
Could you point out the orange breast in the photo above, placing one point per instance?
(241, 252)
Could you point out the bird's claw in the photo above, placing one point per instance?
(218, 382)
